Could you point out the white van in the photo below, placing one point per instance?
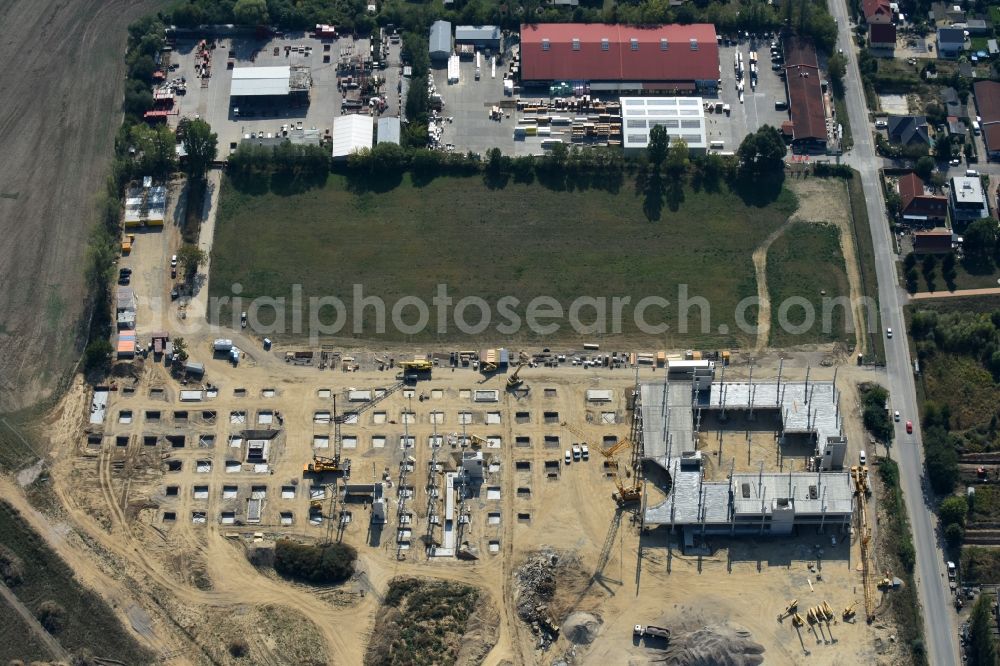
(975, 127)
(862, 457)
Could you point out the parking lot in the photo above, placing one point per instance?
(758, 107)
(212, 102)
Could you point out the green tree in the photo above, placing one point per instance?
(250, 12)
(659, 142)
(388, 158)
(762, 152)
(319, 564)
(942, 147)
(836, 67)
(924, 167)
(982, 649)
(189, 257)
(200, 143)
(953, 510)
(180, 350)
(677, 158)
(981, 242)
(97, 355)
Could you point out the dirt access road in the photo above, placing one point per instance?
(61, 85)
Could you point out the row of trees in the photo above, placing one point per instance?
(874, 399)
(807, 17)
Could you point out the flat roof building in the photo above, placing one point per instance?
(388, 130)
(481, 36)
(968, 200)
(440, 40)
(277, 81)
(774, 503)
(667, 58)
(803, 83)
(352, 133)
(682, 117)
(146, 206)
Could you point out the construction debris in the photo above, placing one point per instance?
(536, 586)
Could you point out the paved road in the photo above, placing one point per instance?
(939, 626)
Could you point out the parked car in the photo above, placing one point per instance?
(585, 452)
(569, 456)
(173, 261)
(909, 427)
(576, 452)
(863, 457)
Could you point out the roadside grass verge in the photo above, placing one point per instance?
(897, 547)
(519, 240)
(866, 264)
(88, 624)
(840, 106)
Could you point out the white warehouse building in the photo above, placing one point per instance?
(682, 117)
(352, 133)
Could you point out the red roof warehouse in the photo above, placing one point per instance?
(621, 57)
(805, 95)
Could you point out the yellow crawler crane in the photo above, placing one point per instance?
(790, 609)
(849, 611)
(861, 492)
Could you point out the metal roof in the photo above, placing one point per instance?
(440, 42)
(388, 130)
(260, 81)
(682, 117)
(352, 133)
(611, 52)
(477, 33)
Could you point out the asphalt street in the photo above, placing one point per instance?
(932, 585)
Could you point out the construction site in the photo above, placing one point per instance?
(580, 497)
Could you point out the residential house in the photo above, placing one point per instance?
(988, 108)
(950, 42)
(918, 207)
(968, 200)
(957, 129)
(882, 37)
(953, 103)
(908, 131)
(933, 241)
(877, 11)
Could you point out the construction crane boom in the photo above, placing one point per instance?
(861, 491)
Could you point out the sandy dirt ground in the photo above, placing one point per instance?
(186, 589)
(820, 200)
(62, 81)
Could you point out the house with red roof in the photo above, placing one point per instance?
(917, 207)
(877, 11)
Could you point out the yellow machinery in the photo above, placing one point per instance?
(790, 609)
(626, 494)
(416, 366)
(321, 465)
(861, 492)
(849, 611)
(797, 620)
(514, 380)
(127, 243)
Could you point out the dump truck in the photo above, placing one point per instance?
(650, 631)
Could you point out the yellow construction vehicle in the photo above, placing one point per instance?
(321, 465)
(827, 611)
(626, 494)
(477, 442)
(514, 380)
(797, 620)
(790, 609)
(610, 451)
(416, 366)
(849, 612)
(127, 243)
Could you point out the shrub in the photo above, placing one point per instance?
(11, 567)
(51, 615)
(239, 648)
(953, 510)
(321, 564)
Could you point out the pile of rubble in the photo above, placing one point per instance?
(536, 586)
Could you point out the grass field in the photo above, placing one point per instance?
(522, 241)
(88, 623)
(963, 279)
(25, 647)
(807, 254)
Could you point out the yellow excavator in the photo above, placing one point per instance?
(849, 612)
(514, 380)
(322, 465)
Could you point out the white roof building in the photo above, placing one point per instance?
(352, 133)
(682, 117)
(261, 81)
